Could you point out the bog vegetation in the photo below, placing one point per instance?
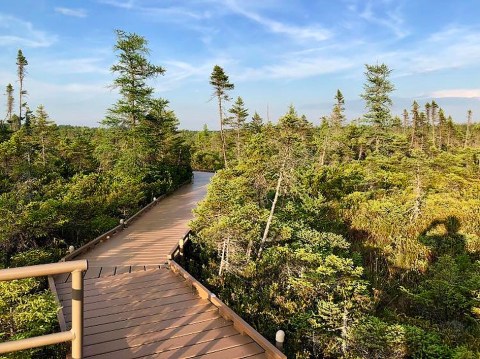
(360, 238)
(64, 185)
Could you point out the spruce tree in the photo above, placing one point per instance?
(467, 133)
(221, 85)
(21, 71)
(376, 94)
(237, 121)
(338, 116)
(134, 70)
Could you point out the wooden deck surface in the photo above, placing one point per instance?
(135, 307)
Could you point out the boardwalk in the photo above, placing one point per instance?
(136, 307)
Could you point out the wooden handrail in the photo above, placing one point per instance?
(242, 326)
(75, 335)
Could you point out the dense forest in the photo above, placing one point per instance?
(360, 238)
(62, 186)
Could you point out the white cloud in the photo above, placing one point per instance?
(463, 93)
(130, 4)
(71, 12)
(17, 32)
(313, 32)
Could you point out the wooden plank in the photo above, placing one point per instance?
(138, 326)
(119, 280)
(203, 347)
(126, 291)
(92, 273)
(171, 344)
(92, 312)
(137, 269)
(113, 301)
(250, 351)
(146, 317)
(152, 336)
(107, 272)
(170, 311)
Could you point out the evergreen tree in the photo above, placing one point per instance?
(338, 115)
(9, 93)
(468, 130)
(376, 94)
(256, 123)
(221, 85)
(21, 71)
(433, 121)
(134, 70)
(237, 121)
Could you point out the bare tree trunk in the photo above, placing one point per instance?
(222, 134)
(224, 254)
(272, 210)
(344, 334)
(467, 134)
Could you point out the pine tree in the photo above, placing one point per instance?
(376, 94)
(237, 122)
(221, 85)
(133, 71)
(21, 71)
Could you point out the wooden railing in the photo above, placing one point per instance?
(75, 335)
(239, 324)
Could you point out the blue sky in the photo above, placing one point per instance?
(276, 52)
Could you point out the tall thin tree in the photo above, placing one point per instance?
(221, 85)
(21, 72)
(467, 133)
(9, 93)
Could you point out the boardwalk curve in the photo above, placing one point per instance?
(135, 306)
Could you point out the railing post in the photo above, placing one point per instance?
(77, 314)
(180, 246)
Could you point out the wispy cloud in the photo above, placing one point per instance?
(71, 12)
(84, 65)
(313, 32)
(459, 93)
(17, 32)
(384, 13)
(454, 47)
(129, 4)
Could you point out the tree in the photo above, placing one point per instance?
(256, 124)
(467, 133)
(21, 71)
(376, 94)
(133, 71)
(221, 85)
(237, 121)
(9, 93)
(338, 115)
(434, 115)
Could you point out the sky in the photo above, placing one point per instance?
(276, 52)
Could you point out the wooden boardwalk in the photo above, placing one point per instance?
(136, 307)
